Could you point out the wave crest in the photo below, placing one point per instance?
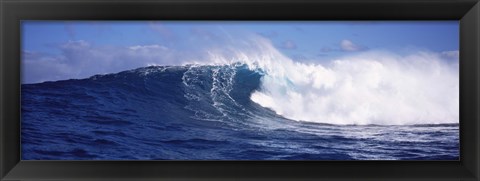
(373, 88)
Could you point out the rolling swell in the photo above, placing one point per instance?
(197, 113)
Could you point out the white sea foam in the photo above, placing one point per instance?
(374, 87)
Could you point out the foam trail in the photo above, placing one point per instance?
(371, 88)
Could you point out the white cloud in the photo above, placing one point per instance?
(347, 45)
(79, 59)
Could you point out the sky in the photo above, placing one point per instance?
(58, 50)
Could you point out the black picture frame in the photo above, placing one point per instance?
(14, 11)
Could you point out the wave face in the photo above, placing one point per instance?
(246, 111)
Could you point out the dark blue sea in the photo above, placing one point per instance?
(200, 113)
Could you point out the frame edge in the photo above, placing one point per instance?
(5, 167)
(469, 73)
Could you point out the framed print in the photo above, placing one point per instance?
(239, 90)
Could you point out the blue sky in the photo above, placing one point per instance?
(56, 50)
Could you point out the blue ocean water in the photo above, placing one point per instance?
(200, 113)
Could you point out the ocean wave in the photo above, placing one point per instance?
(372, 88)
